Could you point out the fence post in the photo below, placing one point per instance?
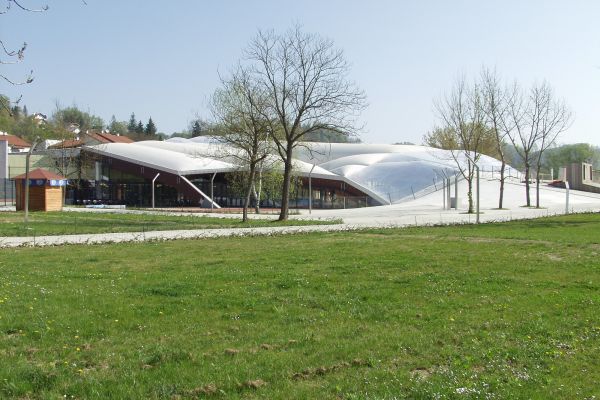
(567, 197)
(455, 191)
(477, 169)
(444, 193)
(448, 193)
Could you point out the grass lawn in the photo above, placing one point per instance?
(68, 223)
(502, 311)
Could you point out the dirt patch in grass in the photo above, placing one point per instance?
(231, 352)
(324, 370)
(420, 373)
(554, 257)
(253, 384)
(206, 390)
(472, 239)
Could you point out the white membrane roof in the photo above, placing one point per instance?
(162, 159)
(388, 173)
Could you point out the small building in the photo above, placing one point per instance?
(15, 143)
(581, 176)
(89, 139)
(45, 191)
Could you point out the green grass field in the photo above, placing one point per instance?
(499, 311)
(69, 223)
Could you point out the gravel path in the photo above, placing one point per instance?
(424, 211)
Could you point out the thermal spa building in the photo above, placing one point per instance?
(341, 175)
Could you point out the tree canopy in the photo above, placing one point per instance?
(73, 116)
(150, 128)
(304, 78)
(563, 155)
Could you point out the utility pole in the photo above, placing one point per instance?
(35, 142)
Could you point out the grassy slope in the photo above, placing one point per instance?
(68, 223)
(499, 311)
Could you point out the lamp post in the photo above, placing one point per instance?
(212, 199)
(153, 180)
(310, 189)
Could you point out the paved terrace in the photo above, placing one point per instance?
(423, 211)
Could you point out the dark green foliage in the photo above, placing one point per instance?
(196, 129)
(562, 156)
(329, 136)
(132, 125)
(16, 121)
(73, 116)
(117, 128)
(150, 128)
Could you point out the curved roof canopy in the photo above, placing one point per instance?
(388, 173)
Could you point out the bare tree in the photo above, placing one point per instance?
(462, 114)
(9, 55)
(550, 117)
(305, 79)
(522, 135)
(536, 122)
(15, 56)
(240, 108)
(495, 109)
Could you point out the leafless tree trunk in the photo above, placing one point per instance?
(495, 109)
(306, 81)
(462, 114)
(239, 106)
(523, 135)
(15, 56)
(249, 184)
(258, 192)
(537, 122)
(552, 117)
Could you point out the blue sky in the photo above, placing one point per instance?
(162, 59)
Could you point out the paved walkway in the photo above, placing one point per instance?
(424, 211)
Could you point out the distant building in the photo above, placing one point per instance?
(15, 143)
(45, 190)
(90, 139)
(93, 138)
(40, 118)
(581, 176)
(327, 175)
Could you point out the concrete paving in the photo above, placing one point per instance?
(427, 210)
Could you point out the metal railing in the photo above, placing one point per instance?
(435, 187)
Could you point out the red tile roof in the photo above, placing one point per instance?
(40, 173)
(109, 138)
(67, 144)
(15, 141)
